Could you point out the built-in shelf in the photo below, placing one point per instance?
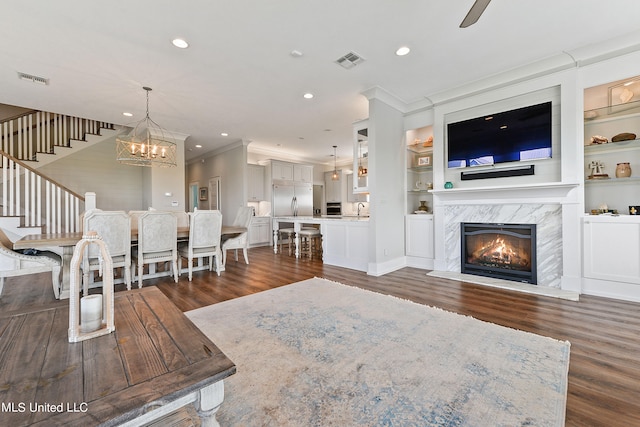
(616, 181)
(420, 168)
(612, 147)
(600, 115)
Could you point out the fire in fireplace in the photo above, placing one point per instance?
(503, 251)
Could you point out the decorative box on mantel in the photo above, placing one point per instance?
(92, 315)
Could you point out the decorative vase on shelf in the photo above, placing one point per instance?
(423, 206)
(623, 170)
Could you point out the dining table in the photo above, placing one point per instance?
(154, 363)
(68, 241)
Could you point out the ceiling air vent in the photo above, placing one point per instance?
(349, 60)
(32, 78)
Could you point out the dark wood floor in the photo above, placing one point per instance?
(604, 371)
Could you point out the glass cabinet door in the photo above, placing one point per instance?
(361, 157)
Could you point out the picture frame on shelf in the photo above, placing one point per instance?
(204, 196)
(422, 160)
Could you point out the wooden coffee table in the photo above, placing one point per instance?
(154, 363)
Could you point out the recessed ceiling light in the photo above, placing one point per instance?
(180, 43)
(402, 51)
(224, 134)
(198, 146)
(127, 114)
(308, 95)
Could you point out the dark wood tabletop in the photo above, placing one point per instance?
(156, 355)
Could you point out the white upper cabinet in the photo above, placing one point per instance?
(255, 186)
(303, 173)
(291, 171)
(351, 196)
(281, 170)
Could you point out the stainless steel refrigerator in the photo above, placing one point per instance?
(292, 198)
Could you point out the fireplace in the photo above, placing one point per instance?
(502, 251)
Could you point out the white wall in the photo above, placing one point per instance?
(165, 186)
(229, 164)
(95, 169)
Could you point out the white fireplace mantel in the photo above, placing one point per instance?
(553, 206)
(531, 193)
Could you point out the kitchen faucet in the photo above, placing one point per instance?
(360, 205)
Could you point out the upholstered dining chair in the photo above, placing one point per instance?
(241, 241)
(204, 239)
(157, 242)
(135, 215)
(114, 228)
(14, 263)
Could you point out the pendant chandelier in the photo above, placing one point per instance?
(147, 144)
(335, 176)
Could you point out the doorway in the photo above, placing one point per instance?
(193, 196)
(214, 193)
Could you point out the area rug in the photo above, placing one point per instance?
(318, 353)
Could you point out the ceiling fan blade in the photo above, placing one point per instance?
(474, 13)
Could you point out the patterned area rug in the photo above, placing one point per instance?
(318, 353)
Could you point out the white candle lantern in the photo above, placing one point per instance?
(92, 315)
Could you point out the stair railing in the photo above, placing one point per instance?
(27, 134)
(40, 200)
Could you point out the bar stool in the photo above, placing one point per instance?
(310, 242)
(287, 234)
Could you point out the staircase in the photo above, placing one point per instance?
(28, 194)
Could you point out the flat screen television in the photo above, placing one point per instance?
(517, 135)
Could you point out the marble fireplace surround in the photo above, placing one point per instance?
(540, 204)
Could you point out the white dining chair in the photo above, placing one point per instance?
(135, 215)
(204, 239)
(157, 242)
(114, 228)
(241, 241)
(13, 263)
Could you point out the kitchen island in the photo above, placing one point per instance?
(344, 238)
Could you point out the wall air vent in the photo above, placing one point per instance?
(349, 60)
(33, 79)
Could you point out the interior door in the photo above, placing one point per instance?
(214, 193)
(193, 196)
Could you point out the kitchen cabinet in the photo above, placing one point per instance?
(255, 175)
(260, 231)
(351, 196)
(286, 171)
(303, 173)
(333, 189)
(281, 170)
(360, 157)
